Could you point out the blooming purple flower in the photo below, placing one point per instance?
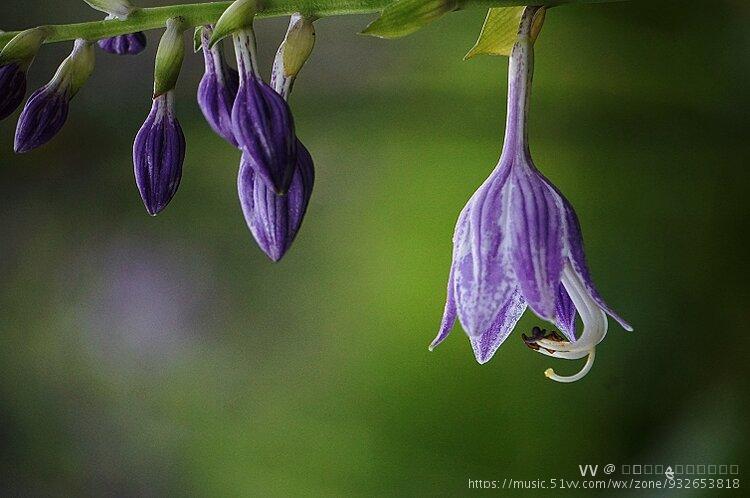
(47, 109)
(518, 243)
(12, 88)
(262, 121)
(158, 154)
(130, 44)
(218, 89)
(274, 220)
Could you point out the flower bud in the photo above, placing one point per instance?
(218, 89)
(120, 9)
(47, 109)
(262, 121)
(169, 57)
(131, 44)
(238, 16)
(15, 59)
(12, 88)
(158, 154)
(293, 53)
(275, 220)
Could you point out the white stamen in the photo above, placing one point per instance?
(594, 329)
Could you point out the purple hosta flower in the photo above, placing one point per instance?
(218, 89)
(274, 220)
(47, 109)
(158, 154)
(518, 243)
(131, 44)
(262, 121)
(12, 88)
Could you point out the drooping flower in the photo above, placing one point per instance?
(262, 121)
(15, 59)
(274, 220)
(518, 244)
(159, 148)
(218, 89)
(47, 109)
(130, 44)
(158, 155)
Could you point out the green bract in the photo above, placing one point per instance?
(239, 15)
(23, 47)
(407, 16)
(169, 57)
(77, 67)
(120, 9)
(500, 29)
(297, 45)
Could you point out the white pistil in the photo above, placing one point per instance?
(550, 373)
(594, 329)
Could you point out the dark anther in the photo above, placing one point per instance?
(537, 334)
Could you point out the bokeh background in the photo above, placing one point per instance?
(153, 356)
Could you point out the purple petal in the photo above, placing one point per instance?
(12, 88)
(508, 315)
(264, 129)
(483, 281)
(42, 118)
(275, 220)
(565, 314)
(131, 44)
(536, 239)
(449, 315)
(578, 261)
(218, 90)
(158, 154)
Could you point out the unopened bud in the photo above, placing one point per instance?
(158, 155)
(131, 44)
(47, 109)
(218, 89)
(275, 220)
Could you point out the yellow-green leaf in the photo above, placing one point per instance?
(404, 17)
(498, 32)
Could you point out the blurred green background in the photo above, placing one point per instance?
(152, 356)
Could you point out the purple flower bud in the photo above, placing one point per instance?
(158, 154)
(12, 88)
(262, 121)
(42, 118)
(132, 44)
(47, 109)
(218, 89)
(274, 220)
